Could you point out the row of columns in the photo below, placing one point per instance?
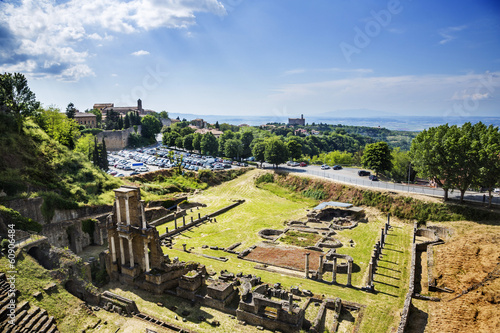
(334, 269)
(131, 252)
(127, 212)
(377, 252)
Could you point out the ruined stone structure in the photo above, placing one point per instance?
(135, 255)
(259, 309)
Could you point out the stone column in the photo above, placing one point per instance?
(131, 252)
(334, 271)
(191, 219)
(382, 238)
(184, 220)
(199, 216)
(175, 221)
(146, 255)
(127, 211)
(113, 249)
(122, 252)
(320, 268)
(166, 230)
(388, 219)
(349, 272)
(184, 247)
(307, 265)
(370, 274)
(118, 214)
(143, 215)
(290, 302)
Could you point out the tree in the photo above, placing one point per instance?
(59, 127)
(104, 157)
(489, 160)
(431, 158)
(246, 140)
(150, 127)
(377, 156)
(197, 141)
(233, 148)
(70, 111)
(222, 141)
(294, 148)
(401, 166)
(85, 145)
(188, 142)
(259, 151)
(16, 98)
(126, 122)
(209, 144)
(217, 125)
(163, 115)
(276, 151)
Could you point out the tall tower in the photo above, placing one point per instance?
(139, 105)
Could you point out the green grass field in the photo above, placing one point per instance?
(271, 207)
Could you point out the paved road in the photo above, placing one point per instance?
(350, 176)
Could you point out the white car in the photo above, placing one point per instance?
(142, 169)
(325, 167)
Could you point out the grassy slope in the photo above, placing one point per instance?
(264, 209)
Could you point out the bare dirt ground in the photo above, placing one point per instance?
(284, 256)
(462, 262)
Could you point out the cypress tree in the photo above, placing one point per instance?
(104, 156)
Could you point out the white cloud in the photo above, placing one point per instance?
(52, 34)
(140, 53)
(448, 34)
(329, 70)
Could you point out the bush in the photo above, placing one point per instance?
(265, 178)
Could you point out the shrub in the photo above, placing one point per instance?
(265, 178)
(53, 201)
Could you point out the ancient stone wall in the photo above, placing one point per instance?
(117, 140)
(406, 308)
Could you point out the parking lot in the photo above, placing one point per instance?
(129, 162)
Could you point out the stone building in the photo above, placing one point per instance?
(297, 121)
(135, 255)
(88, 120)
(105, 107)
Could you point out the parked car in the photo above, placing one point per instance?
(363, 173)
(325, 167)
(303, 164)
(133, 173)
(337, 167)
(372, 177)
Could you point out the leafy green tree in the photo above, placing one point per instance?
(276, 151)
(209, 144)
(179, 142)
(222, 141)
(164, 115)
(259, 151)
(85, 145)
(59, 127)
(126, 122)
(401, 166)
(295, 149)
(197, 141)
(169, 138)
(431, 158)
(233, 148)
(16, 98)
(377, 156)
(187, 142)
(246, 140)
(489, 160)
(150, 127)
(70, 111)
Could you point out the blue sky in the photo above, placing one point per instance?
(277, 58)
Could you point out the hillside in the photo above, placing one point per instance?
(33, 164)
